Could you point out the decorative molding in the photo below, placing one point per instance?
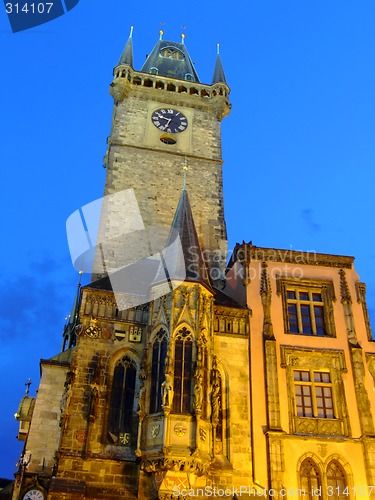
(247, 252)
(361, 298)
(346, 301)
(363, 402)
(266, 294)
(323, 286)
(317, 359)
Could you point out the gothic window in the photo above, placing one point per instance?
(189, 77)
(337, 485)
(310, 480)
(121, 424)
(154, 71)
(159, 352)
(313, 393)
(182, 372)
(308, 308)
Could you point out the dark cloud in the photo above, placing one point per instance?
(308, 217)
(35, 302)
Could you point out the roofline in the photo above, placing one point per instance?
(161, 77)
(246, 252)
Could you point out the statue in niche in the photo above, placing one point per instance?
(167, 390)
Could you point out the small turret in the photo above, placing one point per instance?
(127, 55)
(219, 75)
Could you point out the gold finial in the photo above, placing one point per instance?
(218, 48)
(183, 36)
(161, 33)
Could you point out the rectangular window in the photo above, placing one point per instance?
(305, 310)
(313, 393)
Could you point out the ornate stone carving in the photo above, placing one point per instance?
(363, 402)
(179, 429)
(266, 294)
(346, 301)
(361, 298)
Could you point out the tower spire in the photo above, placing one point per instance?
(69, 333)
(127, 55)
(219, 75)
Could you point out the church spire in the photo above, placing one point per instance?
(219, 75)
(189, 257)
(69, 333)
(127, 55)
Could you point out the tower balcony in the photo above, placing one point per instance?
(182, 92)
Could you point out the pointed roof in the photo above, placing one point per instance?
(171, 59)
(127, 55)
(183, 261)
(219, 75)
(69, 333)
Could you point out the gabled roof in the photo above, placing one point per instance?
(169, 65)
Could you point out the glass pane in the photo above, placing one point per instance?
(305, 376)
(291, 294)
(293, 321)
(303, 296)
(306, 320)
(317, 297)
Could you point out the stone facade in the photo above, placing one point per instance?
(262, 388)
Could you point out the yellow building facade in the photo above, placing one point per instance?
(255, 379)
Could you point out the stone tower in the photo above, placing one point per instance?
(192, 393)
(165, 118)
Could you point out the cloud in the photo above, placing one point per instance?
(308, 217)
(34, 303)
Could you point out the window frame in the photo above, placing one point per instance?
(156, 400)
(125, 362)
(325, 288)
(317, 360)
(313, 385)
(182, 377)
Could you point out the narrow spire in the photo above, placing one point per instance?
(219, 75)
(186, 262)
(161, 33)
(127, 55)
(183, 36)
(72, 320)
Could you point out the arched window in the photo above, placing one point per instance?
(336, 481)
(182, 372)
(159, 352)
(310, 480)
(121, 423)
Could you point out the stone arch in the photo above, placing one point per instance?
(316, 478)
(121, 422)
(335, 457)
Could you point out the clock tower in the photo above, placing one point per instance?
(164, 118)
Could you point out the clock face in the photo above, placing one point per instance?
(33, 495)
(169, 120)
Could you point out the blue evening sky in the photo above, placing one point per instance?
(299, 145)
